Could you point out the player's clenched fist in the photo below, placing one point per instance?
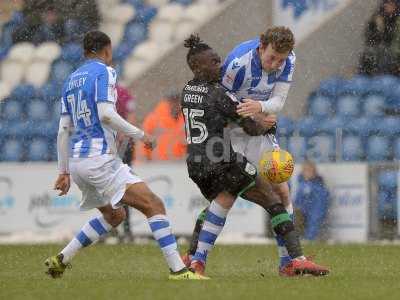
(249, 108)
(63, 183)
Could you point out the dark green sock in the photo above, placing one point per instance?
(197, 228)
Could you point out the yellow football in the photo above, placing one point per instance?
(276, 166)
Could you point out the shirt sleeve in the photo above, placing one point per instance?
(288, 71)
(232, 74)
(106, 86)
(226, 103)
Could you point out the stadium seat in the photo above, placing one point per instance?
(383, 84)
(388, 179)
(374, 105)
(136, 3)
(183, 2)
(12, 110)
(145, 14)
(47, 51)
(23, 92)
(361, 126)
(133, 68)
(12, 72)
(396, 149)
(378, 148)
(12, 149)
(38, 149)
(331, 86)
(148, 51)
(332, 126)
(158, 3)
(198, 12)
(321, 107)
(389, 126)
(121, 13)
(358, 85)
(61, 70)
(161, 32)
(72, 52)
(37, 73)
(348, 106)
(22, 52)
(184, 29)
(114, 30)
(308, 126)
(352, 148)
(37, 110)
(285, 126)
(5, 90)
(172, 12)
(122, 51)
(321, 148)
(50, 91)
(297, 146)
(135, 33)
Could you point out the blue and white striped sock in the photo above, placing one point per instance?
(162, 233)
(284, 257)
(89, 233)
(212, 227)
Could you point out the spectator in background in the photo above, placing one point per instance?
(311, 201)
(382, 41)
(166, 123)
(56, 20)
(42, 22)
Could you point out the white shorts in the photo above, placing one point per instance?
(102, 180)
(252, 147)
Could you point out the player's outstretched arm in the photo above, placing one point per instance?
(111, 118)
(274, 105)
(63, 181)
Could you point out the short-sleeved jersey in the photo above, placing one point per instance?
(242, 73)
(90, 84)
(207, 109)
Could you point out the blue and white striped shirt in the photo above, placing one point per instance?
(242, 73)
(90, 84)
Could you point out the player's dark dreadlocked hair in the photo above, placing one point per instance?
(195, 45)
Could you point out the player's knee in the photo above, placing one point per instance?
(115, 216)
(280, 219)
(283, 192)
(151, 205)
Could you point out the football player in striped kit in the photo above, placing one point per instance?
(259, 73)
(88, 112)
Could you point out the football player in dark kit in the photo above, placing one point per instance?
(219, 172)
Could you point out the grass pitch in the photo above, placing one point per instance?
(238, 272)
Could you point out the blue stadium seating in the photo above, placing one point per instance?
(12, 110)
(285, 126)
(352, 148)
(321, 107)
(23, 92)
(389, 126)
(12, 149)
(72, 53)
(61, 70)
(38, 149)
(321, 148)
(348, 106)
(331, 86)
(37, 110)
(297, 146)
(374, 105)
(378, 148)
(135, 33)
(332, 126)
(308, 127)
